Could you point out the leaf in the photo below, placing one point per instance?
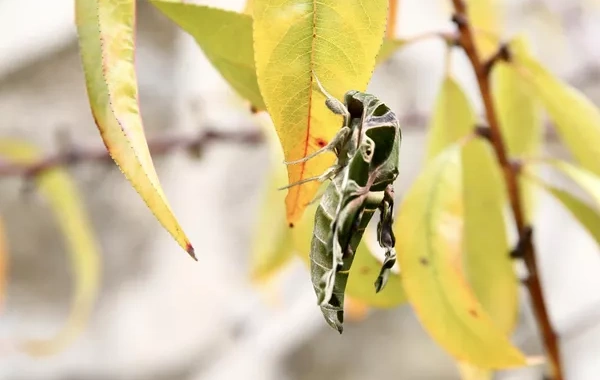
(587, 180)
(520, 118)
(486, 259)
(64, 198)
(273, 244)
(485, 16)
(453, 118)
(428, 238)
(469, 372)
(226, 39)
(354, 310)
(106, 44)
(248, 7)
(389, 47)
(585, 214)
(363, 273)
(576, 118)
(339, 42)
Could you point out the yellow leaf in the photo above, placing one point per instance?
(576, 118)
(486, 18)
(248, 7)
(428, 238)
(587, 180)
(520, 118)
(588, 216)
(226, 39)
(106, 44)
(486, 260)
(364, 270)
(338, 41)
(469, 372)
(453, 118)
(388, 48)
(62, 194)
(273, 245)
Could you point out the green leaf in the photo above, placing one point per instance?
(587, 180)
(226, 39)
(337, 41)
(453, 118)
(106, 43)
(576, 118)
(64, 198)
(585, 214)
(520, 117)
(429, 245)
(486, 16)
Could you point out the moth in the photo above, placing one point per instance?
(367, 148)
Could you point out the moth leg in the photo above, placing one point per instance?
(334, 105)
(385, 237)
(328, 174)
(335, 143)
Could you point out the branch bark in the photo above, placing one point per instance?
(158, 146)
(482, 70)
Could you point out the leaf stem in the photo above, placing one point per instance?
(158, 146)
(482, 70)
(392, 15)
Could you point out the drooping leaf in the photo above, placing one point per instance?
(363, 273)
(486, 259)
(106, 44)
(248, 7)
(520, 118)
(452, 118)
(576, 118)
(587, 215)
(225, 37)
(428, 238)
(64, 198)
(338, 42)
(388, 48)
(587, 180)
(470, 372)
(486, 18)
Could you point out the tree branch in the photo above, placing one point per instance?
(482, 70)
(158, 146)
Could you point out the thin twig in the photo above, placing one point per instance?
(482, 70)
(158, 146)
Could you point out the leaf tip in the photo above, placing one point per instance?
(190, 250)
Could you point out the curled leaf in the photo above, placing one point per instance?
(428, 232)
(106, 43)
(64, 198)
(225, 37)
(296, 40)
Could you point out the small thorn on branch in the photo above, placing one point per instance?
(525, 238)
(483, 131)
(502, 54)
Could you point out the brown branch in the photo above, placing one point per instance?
(158, 146)
(482, 69)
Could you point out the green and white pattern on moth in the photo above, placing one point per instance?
(367, 149)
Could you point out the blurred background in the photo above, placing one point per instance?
(160, 316)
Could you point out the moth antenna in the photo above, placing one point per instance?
(332, 103)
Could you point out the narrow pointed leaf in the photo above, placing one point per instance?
(64, 198)
(248, 7)
(576, 118)
(469, 372)
(106, 43)
(587, 215)
(453, 118)
(587, 180)
(486, 18)
(428, 237)
(486, 257)
(520, 117)
(339, 42)
(225, 37)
